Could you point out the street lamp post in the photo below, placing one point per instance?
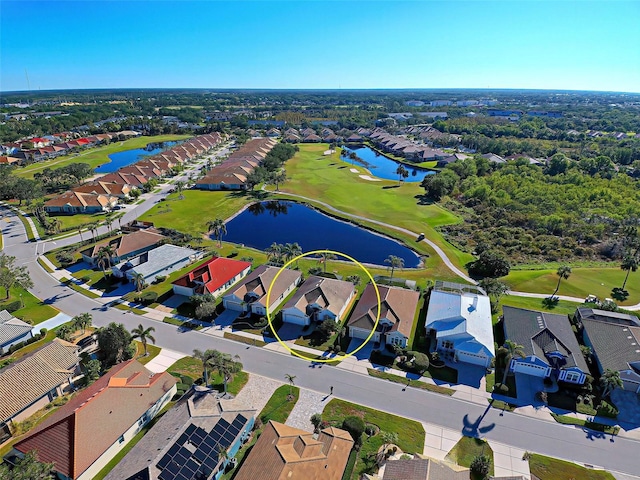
(21, 303)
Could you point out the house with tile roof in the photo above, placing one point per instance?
(551, 348)
(250, 295)
(397, 315)
(186, 441)
(72, 202)
(159, 261)
(419, 469)
(318, 299)
(30, 383)
(118, 190)
(125, 246)
(214, 276)
(12, 331)
(459, 323)
(83, 435)
(614, 339)
(284, 453)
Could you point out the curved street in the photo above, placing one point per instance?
(531, 434)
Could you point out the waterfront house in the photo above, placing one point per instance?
(73, 202)
(157, 262)
(125, 246)
(318, 299)
(213, 277)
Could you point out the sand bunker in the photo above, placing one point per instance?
(353, 170)
(367, 177)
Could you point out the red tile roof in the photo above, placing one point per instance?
(212, 274)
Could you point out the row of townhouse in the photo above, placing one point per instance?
(104, 193)
(37, 149)
(232, 173)
(326, 135)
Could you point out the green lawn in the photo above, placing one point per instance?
(192, 367)
(151, 349)
(191, 214)
(547, 468)
(34, 311)
(328, 179)
(95, 156)
(242, 339)
(599, 427)
(562, 307)
(582, 282)
(411, 383)
(467, 449)
(279, 405)
(410, 433)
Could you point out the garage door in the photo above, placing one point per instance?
(231, 305)
(290, 317)
(472, 359)
(533, 370)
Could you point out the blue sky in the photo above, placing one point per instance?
(577, 45)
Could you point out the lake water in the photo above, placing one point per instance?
(127, 157)
(287, 222)
(383, 167)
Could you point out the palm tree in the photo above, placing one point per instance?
(610, 380)
(218, 228)
(402, 173)
(563, 272)
(630, 264)
(144, 335)
(388, 438)
(80, 232)
(179, 188)
(394, 262)
(138, 281)
(495, 289)
(82, 321)
(277, 178)
(324, 258)
(108, 219)
(54, 225)
(290, 378)
(226, 365)
(105, 254)
(510, 349)
(204, 357)
(93, 228)
(274, 252)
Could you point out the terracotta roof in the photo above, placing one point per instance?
(258, 281)
(128, 243)
(398, 305)
(110, 406)
(212, 274)
(81, 199)
(284, 453)
(99, 187)
(422, 469)
(331, 294)
(28, 379)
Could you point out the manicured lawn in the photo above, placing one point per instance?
(191, 214)
(410, 433)
(151, 349)
(320, 177)
(562, 307)
(95, 156)
(34, 311)
(411, 383)
(192, 367)
(241, 339)
(467, 449)
(547, 468)
(581, 283)
(279, 406)
(598, 427)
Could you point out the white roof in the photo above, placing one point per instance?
(453, 314)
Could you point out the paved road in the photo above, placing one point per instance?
(520, 431)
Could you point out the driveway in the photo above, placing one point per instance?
(289, 331)
(628, 403)
(226, 318)
(164, 360)
(364, 353)
(527, 386)
(469, 374)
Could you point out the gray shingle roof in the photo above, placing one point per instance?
(11, 328)
(616, 346)
(541, 333)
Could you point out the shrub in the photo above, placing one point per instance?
(205, 310)
(481, 465)
(160, 279)
(606, 409)
(186, 380)
(43, 331)
(148, 298)
(85, 279)
(371, 430)
(420, 362)
(355, 426)
(64, 257)
(316, 420)
(13, 306)
(502, 388)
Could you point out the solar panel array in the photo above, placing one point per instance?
(195, 454)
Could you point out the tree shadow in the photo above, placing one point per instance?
(424, 200)
(473, 429)
(387, 187)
